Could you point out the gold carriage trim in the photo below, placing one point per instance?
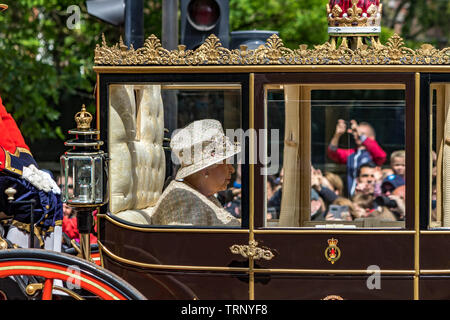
(252, 251)
(15, 154)
(273, 52)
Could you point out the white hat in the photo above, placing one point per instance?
(201, 144)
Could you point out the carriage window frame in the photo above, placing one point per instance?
(431, 84)
(350, 80)
(306, 95)
(176, 81)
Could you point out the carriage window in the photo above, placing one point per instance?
(439, 176)
(167, 167)
(341, 156)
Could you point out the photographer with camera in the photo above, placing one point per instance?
(393, 196)
(323, 187)
(366, 150)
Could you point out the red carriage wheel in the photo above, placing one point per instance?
(77, 273)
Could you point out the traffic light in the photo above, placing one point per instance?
(252, 39)
(121, 12)
(200, 18)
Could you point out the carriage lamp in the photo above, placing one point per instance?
(86, 165)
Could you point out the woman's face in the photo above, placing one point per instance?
(219, 177)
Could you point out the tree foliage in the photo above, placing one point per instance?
(422, 21)
(46, 64)
(298, 22)
(47, 67)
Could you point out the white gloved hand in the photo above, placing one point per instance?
(40, 179)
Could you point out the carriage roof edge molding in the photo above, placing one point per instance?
(353, 28)
(211, 52)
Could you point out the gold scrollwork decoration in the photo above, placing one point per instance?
(252, 251)
(273, 52)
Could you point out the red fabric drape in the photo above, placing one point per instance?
(10, 135)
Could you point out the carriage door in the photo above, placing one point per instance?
(334, 190)
(435, 206)
(173, 256)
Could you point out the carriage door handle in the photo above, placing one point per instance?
(252, 251)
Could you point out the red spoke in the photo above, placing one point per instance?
(48, 287)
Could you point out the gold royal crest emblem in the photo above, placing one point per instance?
(332, 252)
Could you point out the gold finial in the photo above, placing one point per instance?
(3, 7)
(83, 119)
(10, 192)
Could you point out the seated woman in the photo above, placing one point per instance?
(201, 149)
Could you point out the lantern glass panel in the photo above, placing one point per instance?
(98, 165)
(86, 172)
(83, 176)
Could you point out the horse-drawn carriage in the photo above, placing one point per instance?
(282, 105)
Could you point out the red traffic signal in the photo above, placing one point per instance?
(203, 14)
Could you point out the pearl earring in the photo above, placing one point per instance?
(206, 176)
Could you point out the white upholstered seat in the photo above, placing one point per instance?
(137, 167)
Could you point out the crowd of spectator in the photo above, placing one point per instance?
(374, 188)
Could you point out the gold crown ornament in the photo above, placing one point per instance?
(332, 242)
(3, 7)
(83, 119)
(354, 17)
